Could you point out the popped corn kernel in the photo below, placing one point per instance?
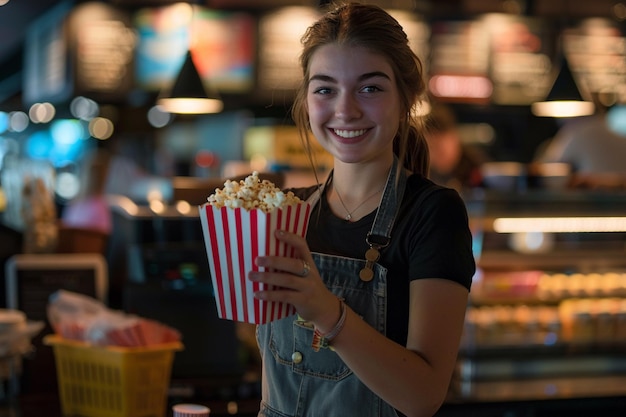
(252, 193)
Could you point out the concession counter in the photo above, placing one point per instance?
(547, 314)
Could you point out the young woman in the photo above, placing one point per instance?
(381, 281)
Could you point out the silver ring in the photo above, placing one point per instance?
(305, 269)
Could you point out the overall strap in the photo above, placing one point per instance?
(380, 234)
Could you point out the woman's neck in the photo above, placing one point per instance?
(355, 191)
(357, 181)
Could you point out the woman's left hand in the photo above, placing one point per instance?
(298, 282)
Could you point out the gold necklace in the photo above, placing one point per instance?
(348, 216)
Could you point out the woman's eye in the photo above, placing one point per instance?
(370, 89)
(322, 90)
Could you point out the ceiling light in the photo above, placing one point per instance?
(564, 99)
(188, 94)
(559, 224)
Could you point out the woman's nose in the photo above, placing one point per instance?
(347, 107)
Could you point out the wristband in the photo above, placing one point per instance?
(323, 340)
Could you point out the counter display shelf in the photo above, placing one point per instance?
(547, 311)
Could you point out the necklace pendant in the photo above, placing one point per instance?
(348, 216)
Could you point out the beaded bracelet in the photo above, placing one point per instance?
(323, 340)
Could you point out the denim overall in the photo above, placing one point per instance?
(303, 382)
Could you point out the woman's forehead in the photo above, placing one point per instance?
(348, 61)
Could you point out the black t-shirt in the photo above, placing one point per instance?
(430, 239)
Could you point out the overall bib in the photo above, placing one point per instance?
(303, 382)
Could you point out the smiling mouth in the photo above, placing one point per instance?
(349, 133)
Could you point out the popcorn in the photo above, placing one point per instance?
(252, 193)
(238, 225)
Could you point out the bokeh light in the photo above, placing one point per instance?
(39, 145)
(18, 121)
(84, 108)
(101, 128)
(4, 122)
(41, 112)
(62, 143)
(157, 206)
(183, 207)
(67, 185)
(159, 118)
(67, 131)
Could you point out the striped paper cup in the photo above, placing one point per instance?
(233, 239)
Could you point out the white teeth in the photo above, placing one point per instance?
(349, 133)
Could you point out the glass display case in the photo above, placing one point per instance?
(547, 311)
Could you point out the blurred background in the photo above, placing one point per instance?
(96, 158)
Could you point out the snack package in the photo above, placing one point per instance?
(238, 224)
(79, 317)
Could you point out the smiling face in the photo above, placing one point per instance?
(353, 103)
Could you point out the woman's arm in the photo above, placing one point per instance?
(413, 379)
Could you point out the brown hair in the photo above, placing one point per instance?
(373, 28)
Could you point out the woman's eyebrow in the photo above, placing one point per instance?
(363, 77)
(373, 74)
(322, 77)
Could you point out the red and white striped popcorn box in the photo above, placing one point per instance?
(233, 239)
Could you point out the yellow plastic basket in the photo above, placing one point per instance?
(110, 381)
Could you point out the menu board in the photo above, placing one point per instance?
(222, 44)
(47, 71)
(459, 61)
(279, 47)
(102, 44)
(162, 43)
(519, 61)
(459, 47)
(494, 58)
(224, 49)
(596, 52)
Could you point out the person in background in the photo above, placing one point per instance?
(594, 147)
(90, 210)
(381, 282)
(452, 163)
